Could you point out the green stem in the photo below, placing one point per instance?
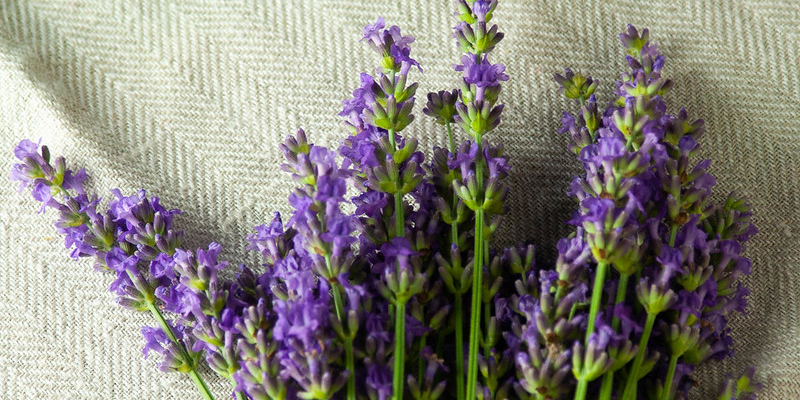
(399, 349)
(351, 369)
(198, 381)
(201, 385)
(673, 233)
(338, 302)
(162, 323)
(633, 376)
(421, 361)
(580, 390)
(475, 316)
(487, 304)
(458, 300)
(337, 295)
(673, 364)
(622, 290)
(400, 226)
(597, 295)
(392, 139)
(399, 218)
(486, 321)
(400, 311)
(459, 348)
(608, 378)
(594, 308)
(477, 276)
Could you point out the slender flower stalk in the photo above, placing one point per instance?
(619, 301)
(400, 306)
(477, 114)
(445, 170)
(475, 310)
(630, 385)
(389, 167)
(454, 240)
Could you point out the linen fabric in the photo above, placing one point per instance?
(190, 99)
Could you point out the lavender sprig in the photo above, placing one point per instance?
(134, 230)
(324, 239)
(455, 273)
(477, 114)
(289, 345)
(646, 212)
(387, 167)
(201, 296)
(259, 375)
(552, 324)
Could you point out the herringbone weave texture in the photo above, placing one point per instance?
(190, 99)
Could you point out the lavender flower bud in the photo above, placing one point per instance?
(594, 361)
(442, 106)
(173, 357)
(576, 86)
(741, 388)
(653, 297)
(429, 388)
(621, 354)
(542, 376)
(681, 338)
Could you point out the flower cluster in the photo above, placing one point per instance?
(646, 211)
(397, 237)
(372, 303)
(134, 240)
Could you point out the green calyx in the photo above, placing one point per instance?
(654, 299)
(579, 87)
(681, 338)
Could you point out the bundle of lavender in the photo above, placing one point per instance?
(406, 298)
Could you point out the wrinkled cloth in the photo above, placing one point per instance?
(190, 99)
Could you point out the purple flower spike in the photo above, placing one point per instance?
(646, 210)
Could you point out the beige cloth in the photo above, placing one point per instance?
(190, 99)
